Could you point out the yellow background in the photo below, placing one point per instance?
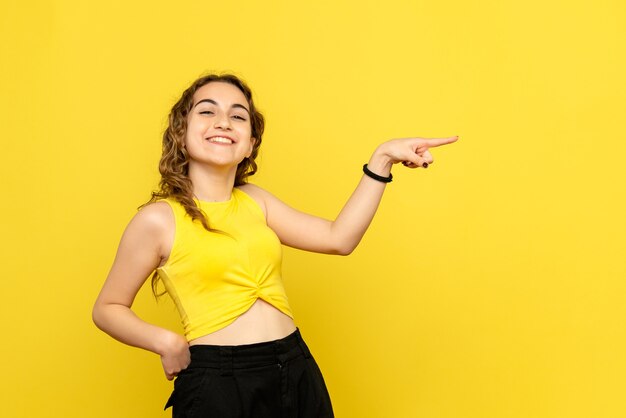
(489, 285)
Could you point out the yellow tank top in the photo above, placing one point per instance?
(214, 277)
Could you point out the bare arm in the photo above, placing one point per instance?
(341, 236)
(140, 251)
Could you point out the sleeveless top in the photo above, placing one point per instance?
(214, 277)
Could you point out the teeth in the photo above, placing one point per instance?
(220, 140)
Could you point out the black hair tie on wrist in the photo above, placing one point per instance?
(376, 176)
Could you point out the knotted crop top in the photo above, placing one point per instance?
(213, 277)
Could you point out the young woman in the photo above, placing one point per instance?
(215, 242)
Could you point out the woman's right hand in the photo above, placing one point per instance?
(175, 355)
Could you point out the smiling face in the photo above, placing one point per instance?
(218, 126)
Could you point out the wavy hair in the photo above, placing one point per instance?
(174, 164)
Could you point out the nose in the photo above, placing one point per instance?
(222, 121)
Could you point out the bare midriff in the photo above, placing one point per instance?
(262, 322)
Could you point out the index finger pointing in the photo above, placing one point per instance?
(435, 142)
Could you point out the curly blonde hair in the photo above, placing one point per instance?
(174, 164)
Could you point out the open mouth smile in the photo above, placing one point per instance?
(220, 140)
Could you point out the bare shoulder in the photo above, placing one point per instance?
(151, 229)
(155, 221)
(272, 206)
(258, 194)
(154, 215)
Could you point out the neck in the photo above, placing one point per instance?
(212, 184)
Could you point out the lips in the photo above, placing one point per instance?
(220, 139)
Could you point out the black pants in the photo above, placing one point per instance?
(274, 379)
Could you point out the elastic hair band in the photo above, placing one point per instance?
(376, 176)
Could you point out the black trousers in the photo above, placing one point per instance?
(274, 379)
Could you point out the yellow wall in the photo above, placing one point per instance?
(490, 285)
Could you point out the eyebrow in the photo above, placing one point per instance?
(215, 103)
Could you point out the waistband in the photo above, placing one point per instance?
(232, 357)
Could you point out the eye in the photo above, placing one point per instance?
(206, 112)
(239, 117)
